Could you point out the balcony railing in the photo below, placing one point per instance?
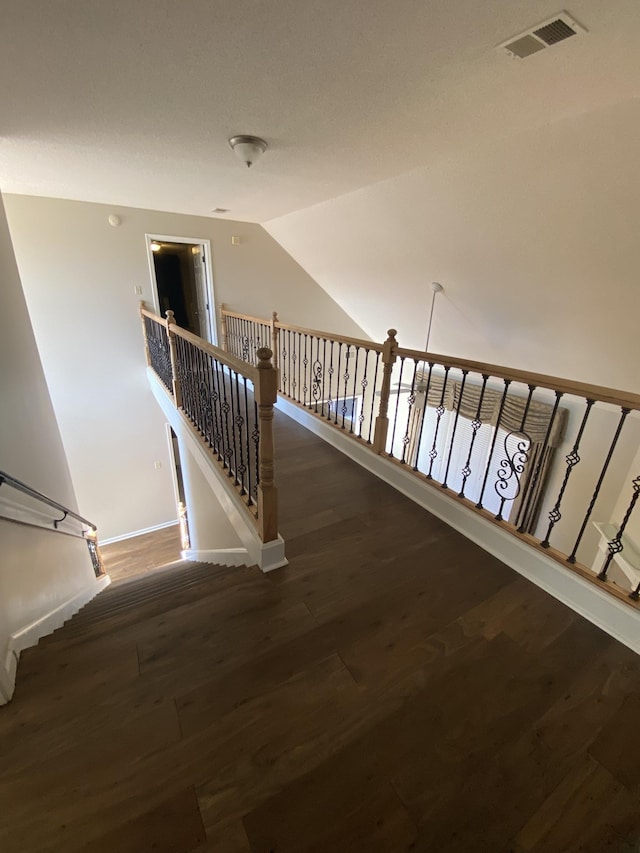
(229, 403)
(538, 455)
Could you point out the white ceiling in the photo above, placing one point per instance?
(132, 102)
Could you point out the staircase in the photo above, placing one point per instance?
(130, 601)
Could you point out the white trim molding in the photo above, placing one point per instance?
(220, 556)
(29, 635)
(596, 605)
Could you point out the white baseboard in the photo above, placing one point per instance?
(139, 532)
(220, 556)
(596, 605)
(29, 635)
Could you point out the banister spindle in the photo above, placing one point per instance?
(177, 392)
(275, 335)
(615, 546)
(389, 356)
(623, 415)
(266, 392)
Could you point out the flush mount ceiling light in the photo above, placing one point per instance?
(248, 148)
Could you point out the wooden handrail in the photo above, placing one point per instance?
(624, 399)
(600, 393)
(333, 336)
(239, 316)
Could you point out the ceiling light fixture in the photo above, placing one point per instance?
(155, 247)
(248, 148)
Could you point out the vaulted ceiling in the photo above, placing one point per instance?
(133, 103)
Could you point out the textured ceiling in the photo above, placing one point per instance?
(131, 103)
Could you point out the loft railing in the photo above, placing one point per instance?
(28, 516)
(535, 454)
(229, 402)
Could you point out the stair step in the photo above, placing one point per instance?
(166, 583)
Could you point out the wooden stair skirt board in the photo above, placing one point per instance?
(266, 555)
(599, 607)
(47, 624)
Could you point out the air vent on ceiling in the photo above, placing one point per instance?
(550, 32)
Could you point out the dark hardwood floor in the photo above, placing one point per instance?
(394, 688)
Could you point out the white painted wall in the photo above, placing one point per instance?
(535, 240)
(79, 276)
(209, 526)
(39, 570)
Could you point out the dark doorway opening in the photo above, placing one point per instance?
(181, 284)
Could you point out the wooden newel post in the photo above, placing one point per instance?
(266, 391)
(223, 328)
(389, 355)
(275, 333)
(173, 353)
(147, 354)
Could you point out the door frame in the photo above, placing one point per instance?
(212, 319)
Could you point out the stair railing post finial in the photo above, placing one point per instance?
(389, 356)
(173, 353)
(223, 328)
(266, 392)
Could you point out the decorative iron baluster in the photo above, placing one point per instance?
(330, 372)
(355, 377)
(531, 488)
(246, 439)
(255, 435)
(364, 382)
(209, 410)
(233, 428)
(507, 382)
(395, 417)
(406, 438)
(294, 361)
(158, 346)
(615, 546)
(289, 348)
(423, 420)
(433, 453)
(226, 408)
(455, 427)
(305, 363)
(476, 423)
(217, 413)
(346, 377)
(338, 382)
(245, 342)
(284, 361)
(316, 385)
(239, 422)
(623, 416)
(204, 394)
(572, 459)
(513, 466)
(299, 351)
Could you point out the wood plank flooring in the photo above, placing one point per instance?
(395, 688)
